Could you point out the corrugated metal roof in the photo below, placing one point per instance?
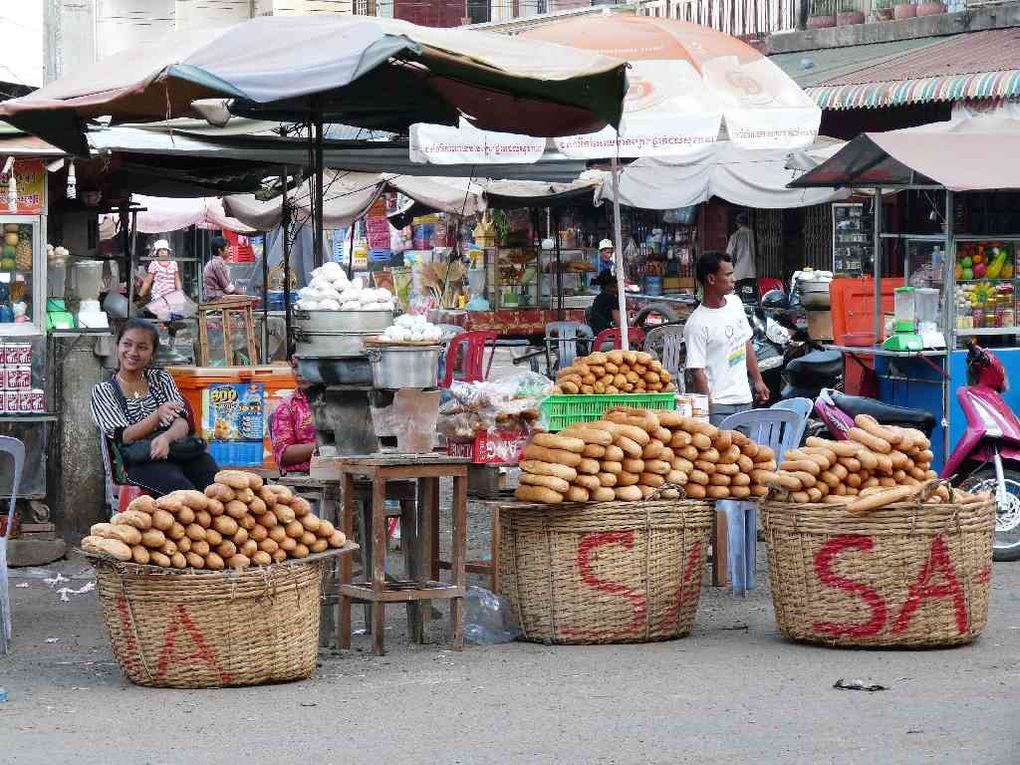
(966, 66)
(817, 67)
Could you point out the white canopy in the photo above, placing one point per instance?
(750, 178)
(164, 214)
(348, 196)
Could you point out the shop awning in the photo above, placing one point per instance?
(348, 196)
(974, 65)
(371, 72)
(228, 153)
(976, 154)
(748, 178)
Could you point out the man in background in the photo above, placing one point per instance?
(742, 252)
(215, 276)
(720, 356)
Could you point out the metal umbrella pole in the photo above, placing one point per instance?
(265, 300)
(317, 219)
(621, 279)
(285, 228)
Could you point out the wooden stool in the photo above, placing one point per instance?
(427, 470)
(225, 311)
(490, 569)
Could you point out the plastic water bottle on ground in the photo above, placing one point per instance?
(489, 619)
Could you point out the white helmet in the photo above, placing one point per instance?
(606, 244)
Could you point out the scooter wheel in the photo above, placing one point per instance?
(1007, 520)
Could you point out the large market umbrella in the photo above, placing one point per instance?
(686, 82)
(368, 72)
(689, 87)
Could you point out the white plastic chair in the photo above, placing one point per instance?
(16, 449)
(667, 342)
(781, 430)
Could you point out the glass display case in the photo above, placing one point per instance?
(852, 240)
(985, 289)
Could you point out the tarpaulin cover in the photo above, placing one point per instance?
(363, 71)
(756, 179)
(981, 153)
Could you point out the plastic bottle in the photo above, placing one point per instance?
(489, 619)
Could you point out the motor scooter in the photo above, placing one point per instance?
(987, 457)
(836, 412)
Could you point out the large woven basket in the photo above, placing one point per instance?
(907, 575)
(198, 629)
(613, 572)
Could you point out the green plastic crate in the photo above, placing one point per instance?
(560, 410)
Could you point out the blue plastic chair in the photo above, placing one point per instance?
(565, 335)
(780, 429)
(801, 406)
(16, 449)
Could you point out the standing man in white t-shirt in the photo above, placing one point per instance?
(720, 356)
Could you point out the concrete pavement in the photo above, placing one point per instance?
(733, 692)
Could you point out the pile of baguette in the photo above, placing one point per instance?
(633, 454)
(875, 459)
(236, 523)
(614, 372)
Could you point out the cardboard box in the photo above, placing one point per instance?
(501, 447)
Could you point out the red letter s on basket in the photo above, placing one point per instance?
(823, 570)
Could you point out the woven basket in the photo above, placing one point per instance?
(613, 572)
(906, 575)
(200, 629)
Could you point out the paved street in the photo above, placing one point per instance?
(733, 692)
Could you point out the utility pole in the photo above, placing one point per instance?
(69, 36)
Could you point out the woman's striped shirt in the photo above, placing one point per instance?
(110, 417)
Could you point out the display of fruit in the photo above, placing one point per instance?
(23, 255)
(236, 523)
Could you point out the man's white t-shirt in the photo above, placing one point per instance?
(717, 342)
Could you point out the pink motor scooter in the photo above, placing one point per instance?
(987, 458)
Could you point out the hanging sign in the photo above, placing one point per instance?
(30, 177)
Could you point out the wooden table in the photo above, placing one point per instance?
(427, 469)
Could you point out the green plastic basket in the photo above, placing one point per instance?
(560, 411)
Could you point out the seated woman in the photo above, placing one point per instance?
(293, 433)
(141, 410)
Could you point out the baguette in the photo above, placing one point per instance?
(538, 494)
(539, 467)
(548, 481)
(557, 441)
(558, 456)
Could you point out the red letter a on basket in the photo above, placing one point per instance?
(823, 570)
(203, 653)
(938, 561)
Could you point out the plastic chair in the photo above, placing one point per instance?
(667, 342)
(780, 429)
(565, 336)
(800, 406)
(612, 336)
(472, 345)
(16, 449)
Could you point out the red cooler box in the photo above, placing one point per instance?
(232, 408)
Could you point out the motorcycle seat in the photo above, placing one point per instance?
(819, 368)
(887, 414)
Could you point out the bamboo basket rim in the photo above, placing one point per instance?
(149, 570)
(599, 506)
